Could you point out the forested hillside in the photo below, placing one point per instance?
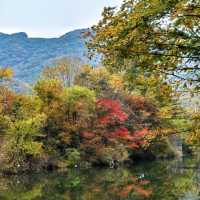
(27, 56)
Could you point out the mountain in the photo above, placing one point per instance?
(27, 56)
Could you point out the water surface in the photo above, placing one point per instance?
(166, 180)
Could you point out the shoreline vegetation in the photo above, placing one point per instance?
(95, 122)
(132, 107)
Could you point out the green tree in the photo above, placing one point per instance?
(23, 146)
(151, 36)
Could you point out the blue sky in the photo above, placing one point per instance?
(50, 18)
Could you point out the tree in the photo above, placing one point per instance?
(64, 70)
(48, 90)
(101, 81)
(6, 100)
(6, 95)
(108, 139)
(68, 110)
(22, 145)
(152, 36)
(194, 128)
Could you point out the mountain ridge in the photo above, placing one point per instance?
(29, 37)
(28, 55)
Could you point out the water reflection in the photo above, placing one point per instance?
(153, 181)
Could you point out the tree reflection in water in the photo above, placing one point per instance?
(152, 181)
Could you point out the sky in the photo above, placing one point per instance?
(50, 18)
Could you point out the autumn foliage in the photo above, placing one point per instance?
(111, 111)
(97, 123)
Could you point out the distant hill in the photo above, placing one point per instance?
(28, 56)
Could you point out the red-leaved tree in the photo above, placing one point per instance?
(109, 132)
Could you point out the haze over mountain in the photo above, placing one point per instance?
(28, 56)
